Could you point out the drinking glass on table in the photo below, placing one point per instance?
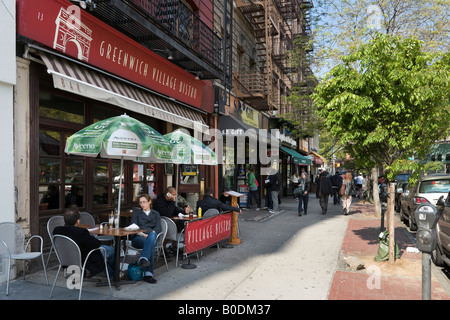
(116, 220)
(111, 220)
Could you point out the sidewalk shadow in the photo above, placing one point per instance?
(370, 236)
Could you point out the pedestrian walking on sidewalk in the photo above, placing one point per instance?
(336, 181)
(303, 198)
(346, 197)
(325, 189)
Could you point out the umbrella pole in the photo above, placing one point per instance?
(176, 182)
(120, 189)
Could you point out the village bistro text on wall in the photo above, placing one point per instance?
(66, 28)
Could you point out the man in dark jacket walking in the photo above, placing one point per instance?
(325, 189)
(336, 181)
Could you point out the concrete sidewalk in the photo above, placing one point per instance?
(381, 280)
(378, 281)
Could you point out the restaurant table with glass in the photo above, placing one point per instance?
(117, 233)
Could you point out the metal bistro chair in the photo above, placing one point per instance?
(12, 240)
(52, 223)
(69, 254)
(158, 245)
(172, 234)
(87, 219)
(211, 213)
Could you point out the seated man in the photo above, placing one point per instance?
(166, 206)
(86, 242)
(209, 202)
(225, 197)
(149, 220)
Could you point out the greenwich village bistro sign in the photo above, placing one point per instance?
(66, 28)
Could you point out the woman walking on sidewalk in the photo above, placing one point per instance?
(303, 197)
(347, 196)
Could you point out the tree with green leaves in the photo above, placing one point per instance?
(339, 28)
(387, 102)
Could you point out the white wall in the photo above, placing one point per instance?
(7, 82)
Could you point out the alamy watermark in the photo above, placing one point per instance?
(374, 280)
(263, 147)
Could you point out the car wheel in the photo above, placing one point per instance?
(412, 225)
(436, 256)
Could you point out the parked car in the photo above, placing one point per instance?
(441, 253)
(401, 181)
(427, 190)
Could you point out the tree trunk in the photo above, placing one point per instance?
(390, 210)
(376, 194)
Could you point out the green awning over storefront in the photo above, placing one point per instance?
(298, 158)
(440, 152)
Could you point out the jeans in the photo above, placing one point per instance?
(109, 259)
(324, 202)
(303, 203)
(148, 249)
(346, 202)
(253, 194)
(268, 200)
(275, 200)
(336, 196)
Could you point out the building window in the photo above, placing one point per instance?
(61, 176)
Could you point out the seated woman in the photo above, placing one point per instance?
(150, 221)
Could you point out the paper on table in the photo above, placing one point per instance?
(132, 227)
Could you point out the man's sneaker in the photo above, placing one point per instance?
(257, 209)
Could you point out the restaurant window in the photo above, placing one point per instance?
(144, 180)
(101, 185)
(57, 107)
(61, 176)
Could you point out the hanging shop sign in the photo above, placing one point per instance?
(63, 26)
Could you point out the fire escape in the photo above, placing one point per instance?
(170, 29)
(276, 25)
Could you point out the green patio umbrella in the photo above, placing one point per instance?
(189, 150)
(120, 137)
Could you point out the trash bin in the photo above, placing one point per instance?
(383, 248)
